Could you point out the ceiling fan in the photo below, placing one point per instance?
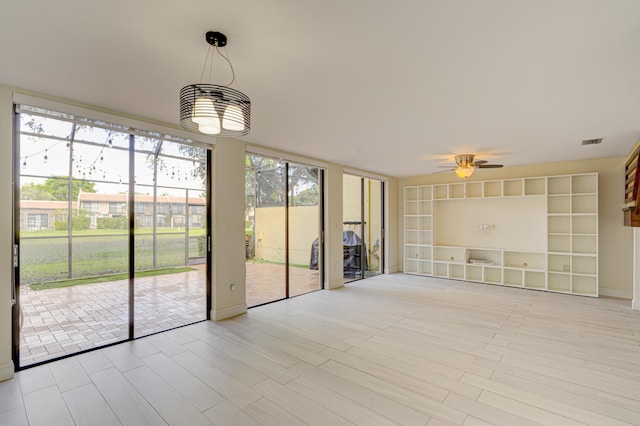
(465, 165)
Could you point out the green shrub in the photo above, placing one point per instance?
(202, 245)
(78, 223)
(112, 222)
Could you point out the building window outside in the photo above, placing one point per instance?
(37, 221)
(117, 208)
(177, 208)
(91, 206)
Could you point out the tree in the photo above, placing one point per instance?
(308, 197)
(33, 191)
(58, 187)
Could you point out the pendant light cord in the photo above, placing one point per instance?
(206, 60)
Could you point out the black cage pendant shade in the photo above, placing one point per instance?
(213, 109)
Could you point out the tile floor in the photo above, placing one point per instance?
(393, 349)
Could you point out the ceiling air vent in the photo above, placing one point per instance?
(592, 141)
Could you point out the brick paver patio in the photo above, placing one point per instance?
(63, 321)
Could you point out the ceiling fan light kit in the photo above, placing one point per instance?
(465, 165)
(213, 109)
(465, 172)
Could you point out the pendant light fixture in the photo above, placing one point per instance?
(212, 109)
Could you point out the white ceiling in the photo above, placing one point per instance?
(391, 87)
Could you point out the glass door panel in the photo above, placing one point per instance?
(373, 226)
(363, 242)
(304, 229)
(168, 291)
(70, 295)
(265, 230)
(352, 233)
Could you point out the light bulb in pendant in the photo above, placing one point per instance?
(204, 114)
(233, 118)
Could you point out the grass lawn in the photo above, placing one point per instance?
(106, 278)
(94, 253)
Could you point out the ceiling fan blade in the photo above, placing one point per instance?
(489, 166)
(442, 171)
(479, 162)
(449, 167)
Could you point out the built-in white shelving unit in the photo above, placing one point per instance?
(418, 230)
(567, 262)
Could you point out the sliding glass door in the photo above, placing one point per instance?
(110, 234)
(304, 229)
(363, 232)
(170, 235)
(283, 218)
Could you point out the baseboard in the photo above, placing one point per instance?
(6, 371)
(335, 285)
(619, 294)
(392, 269)
(635, 305)
(225, 313)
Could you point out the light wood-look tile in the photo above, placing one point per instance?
(227, 414)
(69, 374)
(188, 385)
(394, 349)
(172, 406)
(126, 402)
(269, 413)
(88, 407)
(228, 386)
(298, 405)
(46, 407)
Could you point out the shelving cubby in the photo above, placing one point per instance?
(512, 187)
(440, 192)
(484, 256)
(559, 263)
(474, 189)
(524, 260)
(493, 188)
(456, 271)
(535, 280)
(425, 267)
(456, 190)
(559, 282)
(535, 186)
(410, 265)
(440, 269)
(449, 254)
(512, 277)
(474, 273)
(492, 275)
(559, 185)
(410, 208)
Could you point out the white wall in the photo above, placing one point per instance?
(333, 227)
(392, 218)
(615, 240)
(6, 235)
(228, 280)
